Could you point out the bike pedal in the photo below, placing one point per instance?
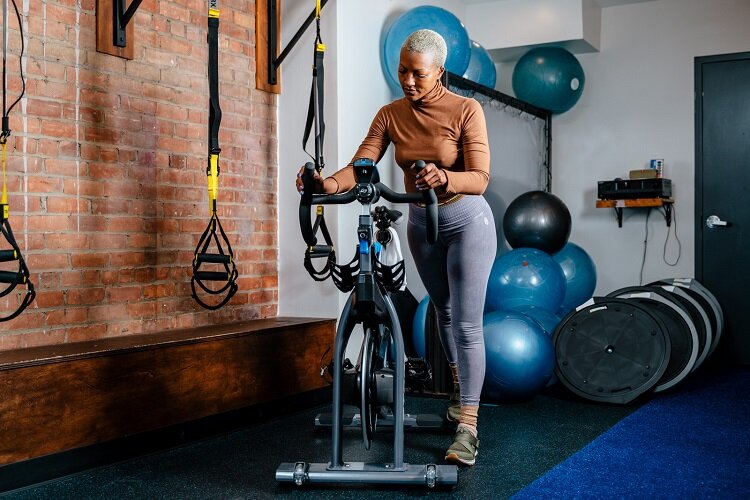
(418, 372)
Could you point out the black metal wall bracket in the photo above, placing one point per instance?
(120, 19)
(274, 62)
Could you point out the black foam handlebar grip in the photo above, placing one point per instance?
(305, 202)
(12, 278)
(430, 201)
(214, 258)
(212, 276)
(8, 255)
(320, 251)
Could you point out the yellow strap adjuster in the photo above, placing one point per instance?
(213, 180)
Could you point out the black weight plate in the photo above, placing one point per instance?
(697, 286)
(704, 303)
(611, 350)
(683, 336)
(700, 319)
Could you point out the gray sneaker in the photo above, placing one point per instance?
(464, 448)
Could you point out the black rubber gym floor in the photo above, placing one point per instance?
(519, 442)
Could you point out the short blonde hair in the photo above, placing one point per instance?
(427, 42)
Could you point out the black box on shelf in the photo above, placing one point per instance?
(621, 189)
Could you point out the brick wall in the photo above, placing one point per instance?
(106, 172)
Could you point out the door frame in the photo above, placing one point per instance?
(698, 218)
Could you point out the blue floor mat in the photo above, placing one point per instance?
(693, 443)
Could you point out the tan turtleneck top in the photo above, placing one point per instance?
(441, 128)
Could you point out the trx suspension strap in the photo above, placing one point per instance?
(224, 271)
(20, 276)
(315, 121)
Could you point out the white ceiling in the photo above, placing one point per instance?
(610, 3)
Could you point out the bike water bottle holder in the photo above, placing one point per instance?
(390, 277)
(345, 276)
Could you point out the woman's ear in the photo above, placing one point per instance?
(441, 70)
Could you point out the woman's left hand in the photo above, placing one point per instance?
(430, 177)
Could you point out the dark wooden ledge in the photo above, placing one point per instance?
(64, 397)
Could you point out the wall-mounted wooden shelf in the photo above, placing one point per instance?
(618, 205)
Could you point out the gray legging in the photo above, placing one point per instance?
(455, 271)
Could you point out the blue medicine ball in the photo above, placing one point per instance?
(550, 78)
(525, 277)
(481, 67)
(426, 17)
(520, 357)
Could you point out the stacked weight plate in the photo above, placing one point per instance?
(637, 340)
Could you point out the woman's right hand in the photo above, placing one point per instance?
(318, 182)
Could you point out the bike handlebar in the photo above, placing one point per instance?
(428, 197)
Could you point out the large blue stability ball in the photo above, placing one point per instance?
(525, 277)
(550, 78)
(546, 318)
(419, 339)
(481, 67)
(580, 276)
(426, 17)
(520, 356)
(537, 219)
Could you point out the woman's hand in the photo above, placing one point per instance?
(318, 182)
(430, 177)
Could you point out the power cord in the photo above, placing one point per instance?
(679, 243)
(645, 246)
(666, 241)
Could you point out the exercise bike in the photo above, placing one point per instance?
(376, 384)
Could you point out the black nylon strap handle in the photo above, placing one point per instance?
(21, 276)
(214, 232)
(214, 258)
(15, 278)
(8, 255)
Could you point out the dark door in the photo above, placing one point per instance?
(722, 188)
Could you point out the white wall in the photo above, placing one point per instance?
(299, 295)
(637, 105)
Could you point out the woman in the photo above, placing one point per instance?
(449, 133)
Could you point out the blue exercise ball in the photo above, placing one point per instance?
(580, 276)
(525, 277)
(520, 357)
(426, 17)
(550, 78)
(419, 340)
(481, 67)
(537, 219)
(546, 318)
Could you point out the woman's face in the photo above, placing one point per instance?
(417, 74)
